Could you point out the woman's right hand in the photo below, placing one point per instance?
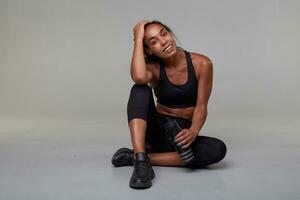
(139, 30)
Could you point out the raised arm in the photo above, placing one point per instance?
(140, 74)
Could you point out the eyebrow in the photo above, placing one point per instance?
(159, 32)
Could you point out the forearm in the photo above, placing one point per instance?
(138, 65)
(199, 118)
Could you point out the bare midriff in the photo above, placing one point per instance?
(186, 113)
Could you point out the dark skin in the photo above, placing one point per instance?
(161, 43)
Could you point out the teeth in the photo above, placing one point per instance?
(168, 48)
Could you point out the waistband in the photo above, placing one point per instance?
(172, 117)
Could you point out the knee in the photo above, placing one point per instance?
(140, 90)
(221, 150)
(216, 153)
(140, 95)
(140, 99)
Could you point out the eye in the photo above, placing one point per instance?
(153, 42)
(165, 33)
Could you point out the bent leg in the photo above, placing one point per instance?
(140, 108)
(208, 150)
(146, 126)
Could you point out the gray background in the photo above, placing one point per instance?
(65, 82)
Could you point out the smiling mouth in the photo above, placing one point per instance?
(168, 48)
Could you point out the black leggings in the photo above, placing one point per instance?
(207, 150)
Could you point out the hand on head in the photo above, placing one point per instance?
(139, 29)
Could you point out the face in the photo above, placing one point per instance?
(159, 41)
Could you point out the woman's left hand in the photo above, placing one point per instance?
(185, 138)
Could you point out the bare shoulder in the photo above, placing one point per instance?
(201, 63)
(200, 59)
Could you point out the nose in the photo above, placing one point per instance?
(163, 41)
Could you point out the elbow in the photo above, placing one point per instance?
(139, 80)
(138, 77)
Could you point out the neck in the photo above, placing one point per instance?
(173, 61)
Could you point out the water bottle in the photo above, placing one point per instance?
(172, 128)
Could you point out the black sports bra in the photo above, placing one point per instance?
(177, 95)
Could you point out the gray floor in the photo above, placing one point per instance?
(70, 159)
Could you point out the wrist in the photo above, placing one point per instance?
(194, 131)
(138, 40)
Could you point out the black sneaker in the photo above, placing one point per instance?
(142, 173)
(123, 157)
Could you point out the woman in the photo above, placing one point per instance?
(182, 83)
